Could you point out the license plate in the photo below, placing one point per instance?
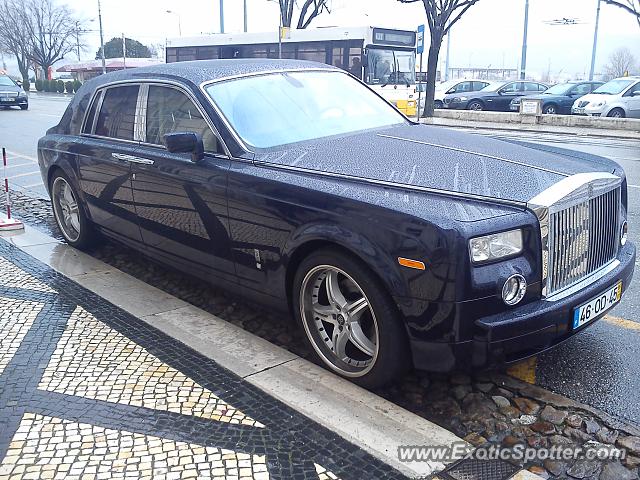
(7, 99)
(597, 305)
(578, 110)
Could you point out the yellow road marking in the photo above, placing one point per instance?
(524, 370)
(621, 322)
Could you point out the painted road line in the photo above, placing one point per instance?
(39, 184)
(20, 155)
(524, 370)
(14, 165)
(634, 186)
(621, 322)
(28, 174)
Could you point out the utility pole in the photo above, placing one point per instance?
(221, 16)
(104, 66)
(245, 16)
(446, 61)
(78, 39)
(595, 43)
(523, 60)
(124, 52)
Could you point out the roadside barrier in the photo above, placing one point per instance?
(8, 224)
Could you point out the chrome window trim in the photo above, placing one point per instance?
(566, 193)
(151, 81)
(140, 128)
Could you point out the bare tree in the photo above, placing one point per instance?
(621, 62)
(52, 31)
(14, 38)
(441, 15)
(309, 10)
(631, 6)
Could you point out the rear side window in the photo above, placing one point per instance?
(479, 85)
(118, 113)
(169, 110)
(88, 123)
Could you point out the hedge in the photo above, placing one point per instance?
(68, 86)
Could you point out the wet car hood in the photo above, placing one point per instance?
(437, 158)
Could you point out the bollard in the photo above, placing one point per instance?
(8, 224)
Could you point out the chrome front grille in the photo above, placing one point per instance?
(8, 94)
(582, 239)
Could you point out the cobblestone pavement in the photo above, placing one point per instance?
(488, 408)
(88, 391)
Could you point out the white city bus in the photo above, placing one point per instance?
(384, 58)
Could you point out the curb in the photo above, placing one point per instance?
(359, 416)
(578, 131)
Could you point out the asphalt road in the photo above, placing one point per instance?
(600, 367)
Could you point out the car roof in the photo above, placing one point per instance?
(200, 71)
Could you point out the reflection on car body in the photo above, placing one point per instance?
(292, 184)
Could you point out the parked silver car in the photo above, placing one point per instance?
(617, 98)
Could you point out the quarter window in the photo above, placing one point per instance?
(118, 112)
(88, 124)
(169, 110)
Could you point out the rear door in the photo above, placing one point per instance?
(103, 166)
(502, 98)
(182, 205)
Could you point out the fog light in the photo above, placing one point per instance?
(514, 289)
(624, 232)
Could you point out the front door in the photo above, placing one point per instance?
(632, 99)
(503, 97)
(104, 168)
(182, 205)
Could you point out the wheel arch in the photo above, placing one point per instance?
(66, 169)
(304, 243)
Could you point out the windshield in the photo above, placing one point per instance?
(288, 107)
(7, 82)
(613, 87)
(391, 67)
(560, 89)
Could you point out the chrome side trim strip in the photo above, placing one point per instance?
(461, 150)
(401, 186)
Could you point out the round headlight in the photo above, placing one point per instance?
(624, 232)
(514, 289)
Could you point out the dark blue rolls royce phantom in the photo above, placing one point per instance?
(292, 184)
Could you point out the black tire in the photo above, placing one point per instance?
(475, 105)
(437, 104)
(616, 113)
(551, 109)
(392, 356)
(24, 107)
(86, 236)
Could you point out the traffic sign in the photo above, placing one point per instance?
(420, 46)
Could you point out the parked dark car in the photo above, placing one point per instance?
(293, 184)
(559, 98)
(495, 96)
(12, 94)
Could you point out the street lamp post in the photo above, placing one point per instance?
(523, 59)
(595, 43)
(245, 16)
(221, 16)
(104, 66)
(179, 21)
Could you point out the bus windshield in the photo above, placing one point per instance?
(288, 107)
(391, 67)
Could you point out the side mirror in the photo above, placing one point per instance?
(500, 92)
(185, 142)
(19, 83)
(636, 93)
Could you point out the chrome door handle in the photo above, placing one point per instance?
(131, 158)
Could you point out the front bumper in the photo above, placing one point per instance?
(591, 111)
(13, 101)
(519, 333)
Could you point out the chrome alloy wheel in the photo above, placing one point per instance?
(65, 207)
(339, 320)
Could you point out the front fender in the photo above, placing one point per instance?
(377, 255)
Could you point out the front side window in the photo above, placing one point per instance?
(118, 112)
(169, 111)
(581, 89)
(288, 107)
(633, 90)
(511, 87)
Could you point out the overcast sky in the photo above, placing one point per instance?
(490, 33)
